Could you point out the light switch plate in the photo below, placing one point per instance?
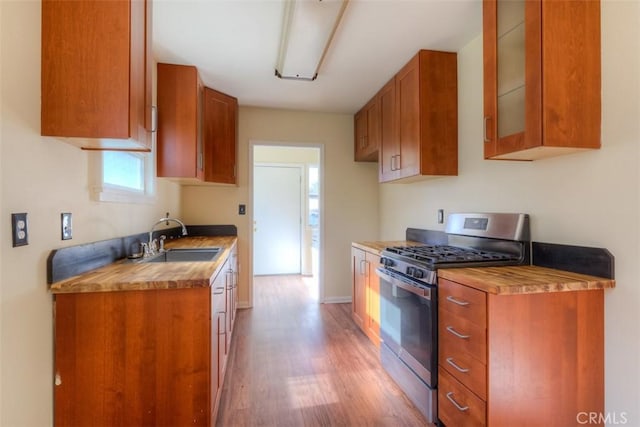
(66, 226)
(19, 229)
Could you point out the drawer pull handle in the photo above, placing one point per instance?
(456, 333)
(455, 365)
(456, 404)
(457, 301)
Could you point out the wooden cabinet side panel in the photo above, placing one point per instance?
(360, 128)
(79, 359)
(373, 298)
(137, 72)
(177, 121)
(545, 357)
(85, 69)
(148, 67)
(438, 113)
(373, 129)
(219, 137)
(358, 299)
(572, 71)
(490, 77)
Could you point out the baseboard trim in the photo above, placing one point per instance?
(336, 300)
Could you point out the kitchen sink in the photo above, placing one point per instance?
(186, 255)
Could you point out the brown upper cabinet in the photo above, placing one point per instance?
(196, 128)
(367, 132)
(422, 138)
(414, 119)
(219, 139)
(180, 104)
(541, 78)
(96, 79)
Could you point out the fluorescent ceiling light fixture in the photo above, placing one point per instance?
(307, 30)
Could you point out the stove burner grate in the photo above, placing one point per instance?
(448, 254)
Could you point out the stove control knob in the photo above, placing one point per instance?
(411, 271)
(418, 274)
(386, 262)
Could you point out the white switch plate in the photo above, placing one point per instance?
(66, 226)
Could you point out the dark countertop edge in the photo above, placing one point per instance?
(71, 261)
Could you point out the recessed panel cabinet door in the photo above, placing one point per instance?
(389, 142)
(219, 137)
(94, 82)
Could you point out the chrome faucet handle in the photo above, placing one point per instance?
(153, 245)
(162, 239)
(145, 249)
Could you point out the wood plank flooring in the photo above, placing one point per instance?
(295, 362)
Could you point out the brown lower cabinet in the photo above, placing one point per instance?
(366, 293)
(513, 360)
(147, 357)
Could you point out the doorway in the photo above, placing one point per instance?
(287, 213)
(277, 219)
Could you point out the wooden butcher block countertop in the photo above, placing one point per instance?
(125, 275)
(528, 279)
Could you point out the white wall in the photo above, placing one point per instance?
(589, 199)
(350, 190)
(43, 177)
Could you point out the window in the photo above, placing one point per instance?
(123, 176)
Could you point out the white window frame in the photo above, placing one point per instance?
(105, 192)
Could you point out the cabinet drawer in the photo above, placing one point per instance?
(457, 334)
(463, 301)
(466, 369)
(457, 406)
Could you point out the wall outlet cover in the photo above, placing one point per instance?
(66, 226)
(19, 229)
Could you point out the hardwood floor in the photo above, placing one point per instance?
(295, 362)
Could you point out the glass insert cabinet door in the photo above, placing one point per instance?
(542, 68)
(512, 86)
(510, 67)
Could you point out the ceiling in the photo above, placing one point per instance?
(234, 45)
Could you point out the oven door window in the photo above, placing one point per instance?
(407, 326)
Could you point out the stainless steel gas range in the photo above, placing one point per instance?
(408, 293)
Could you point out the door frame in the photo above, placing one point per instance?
(321, 257)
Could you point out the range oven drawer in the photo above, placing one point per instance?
(457, 406)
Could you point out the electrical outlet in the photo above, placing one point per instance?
(242, 209)
(66, 226)
(19, 229)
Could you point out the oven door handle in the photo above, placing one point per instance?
(421, 292)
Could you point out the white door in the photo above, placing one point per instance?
(277, 219)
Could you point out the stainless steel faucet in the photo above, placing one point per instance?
(152, 242)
